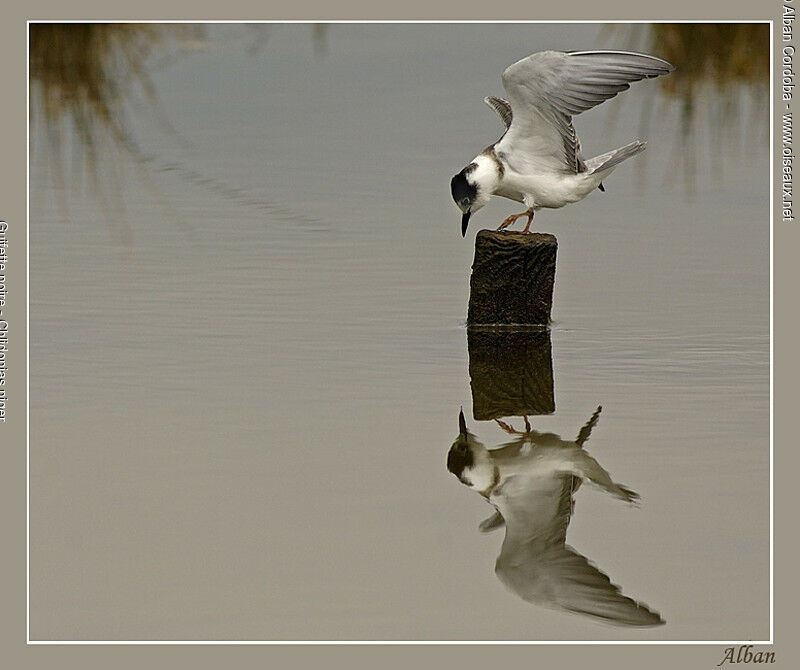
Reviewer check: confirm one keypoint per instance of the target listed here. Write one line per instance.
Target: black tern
(538, 159)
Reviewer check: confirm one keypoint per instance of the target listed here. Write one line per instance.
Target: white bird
(530, 483)
(538, 159)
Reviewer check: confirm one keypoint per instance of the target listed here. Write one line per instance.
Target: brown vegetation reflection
(84, 73)
(86, 79)
(720, 83)
(725, 55)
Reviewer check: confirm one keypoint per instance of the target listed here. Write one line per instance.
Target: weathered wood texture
(512, 278)
(511, 372)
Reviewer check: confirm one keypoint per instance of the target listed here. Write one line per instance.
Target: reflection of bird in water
(530, 482)
(538, 159)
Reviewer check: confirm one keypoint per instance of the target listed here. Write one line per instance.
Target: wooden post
(510, 372)
(512, 278)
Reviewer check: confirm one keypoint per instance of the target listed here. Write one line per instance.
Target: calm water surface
(246, 370)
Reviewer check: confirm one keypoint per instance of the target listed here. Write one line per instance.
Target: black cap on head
(461, 189)
(458, 458)
(460, 455)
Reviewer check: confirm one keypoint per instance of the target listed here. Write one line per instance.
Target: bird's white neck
(483, 475)
(486, 173)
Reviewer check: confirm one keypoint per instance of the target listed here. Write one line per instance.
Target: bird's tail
(613, 158)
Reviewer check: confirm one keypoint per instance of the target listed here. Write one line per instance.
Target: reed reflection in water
(721, 83)
(87, 83)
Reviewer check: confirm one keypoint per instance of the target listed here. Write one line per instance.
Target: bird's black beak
(462, 425)
(464, 223)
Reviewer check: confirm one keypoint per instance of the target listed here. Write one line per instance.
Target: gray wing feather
(502, 108)
(580, 80)
(547, 88)
(587, 428)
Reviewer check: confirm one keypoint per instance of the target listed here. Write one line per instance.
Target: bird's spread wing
(560, 577)
(545, 91)
(535, 563)
(502, 108)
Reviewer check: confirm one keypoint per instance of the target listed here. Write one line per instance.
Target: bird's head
(472, 188)
(469, 460)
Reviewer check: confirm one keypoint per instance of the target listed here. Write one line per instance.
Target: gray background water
(242, 400)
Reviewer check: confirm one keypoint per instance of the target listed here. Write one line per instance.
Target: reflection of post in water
(511, 372)
(530, 482)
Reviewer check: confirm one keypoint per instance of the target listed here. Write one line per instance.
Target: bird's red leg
(507, 428)
(514, 217)
(529, 213)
